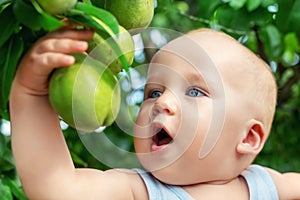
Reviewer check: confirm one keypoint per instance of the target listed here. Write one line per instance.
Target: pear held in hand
(85, 95)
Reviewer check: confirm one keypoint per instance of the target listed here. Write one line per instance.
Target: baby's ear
(253, 138)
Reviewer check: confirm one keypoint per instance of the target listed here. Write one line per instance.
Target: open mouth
(162, 138)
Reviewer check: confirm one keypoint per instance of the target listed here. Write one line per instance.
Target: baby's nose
(166, 103)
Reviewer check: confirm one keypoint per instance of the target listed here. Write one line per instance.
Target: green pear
(85, 95)
(100, 49)
(56, 6)
(133, 15)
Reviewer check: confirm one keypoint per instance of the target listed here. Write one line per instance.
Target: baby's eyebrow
(197, 79)
(151, 84)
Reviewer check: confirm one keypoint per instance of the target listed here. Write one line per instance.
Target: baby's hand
(48, 53)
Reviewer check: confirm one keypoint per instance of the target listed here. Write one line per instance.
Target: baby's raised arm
(41, 155)
(287, 184)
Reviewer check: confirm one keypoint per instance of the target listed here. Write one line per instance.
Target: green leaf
(27, 15)
(15, 187)
(295, 16)
(289, 58)
(5, 2)
(50, 23)
(98, 3)
(266, 3)
(2, 145)
(207, 8)
(291, 42)
(283, 16)
(88, 21)
(5, 192)
(234, 19)
(30, 17)
(13, 55)
(77, 160)
(272, 40)
(237, 4)
(288, 16)
(253, 4)
(260, 17)
(104, 16)
(251, 42)
(8, 24)
(7, 162)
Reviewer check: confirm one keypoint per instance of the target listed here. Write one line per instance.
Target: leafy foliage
(269, 28)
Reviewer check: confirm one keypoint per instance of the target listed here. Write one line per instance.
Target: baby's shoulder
(133, 179)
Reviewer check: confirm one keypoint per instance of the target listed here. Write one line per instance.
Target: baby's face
(193, 115)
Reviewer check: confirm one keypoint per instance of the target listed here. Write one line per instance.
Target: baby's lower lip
(155, 147)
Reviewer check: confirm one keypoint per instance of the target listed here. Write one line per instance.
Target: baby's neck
(230, 189)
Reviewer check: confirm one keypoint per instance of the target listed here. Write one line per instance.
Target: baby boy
(207, 112)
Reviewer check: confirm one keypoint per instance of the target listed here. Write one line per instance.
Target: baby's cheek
(140, 145)
(141, 132)
(144, 116)
(198, 128)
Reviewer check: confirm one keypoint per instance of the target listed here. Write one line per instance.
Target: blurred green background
(270, 28)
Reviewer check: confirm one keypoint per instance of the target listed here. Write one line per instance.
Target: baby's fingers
(61, 46)
(34, 70)
(72, 34)
(50, 52)
(50, 60)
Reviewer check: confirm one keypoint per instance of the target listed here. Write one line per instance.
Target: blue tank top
(161, 191)
(260, 184)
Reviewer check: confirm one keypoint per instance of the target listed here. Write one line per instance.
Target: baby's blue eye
(194, 92)
(155, 94)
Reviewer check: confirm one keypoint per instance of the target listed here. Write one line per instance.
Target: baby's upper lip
(161, 135)
(157, 126)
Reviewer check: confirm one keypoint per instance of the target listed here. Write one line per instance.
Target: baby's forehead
(176, 59)
(205, 46)
(201, 50)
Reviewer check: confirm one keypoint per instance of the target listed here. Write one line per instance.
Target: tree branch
(285, 91)
(260, 44)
